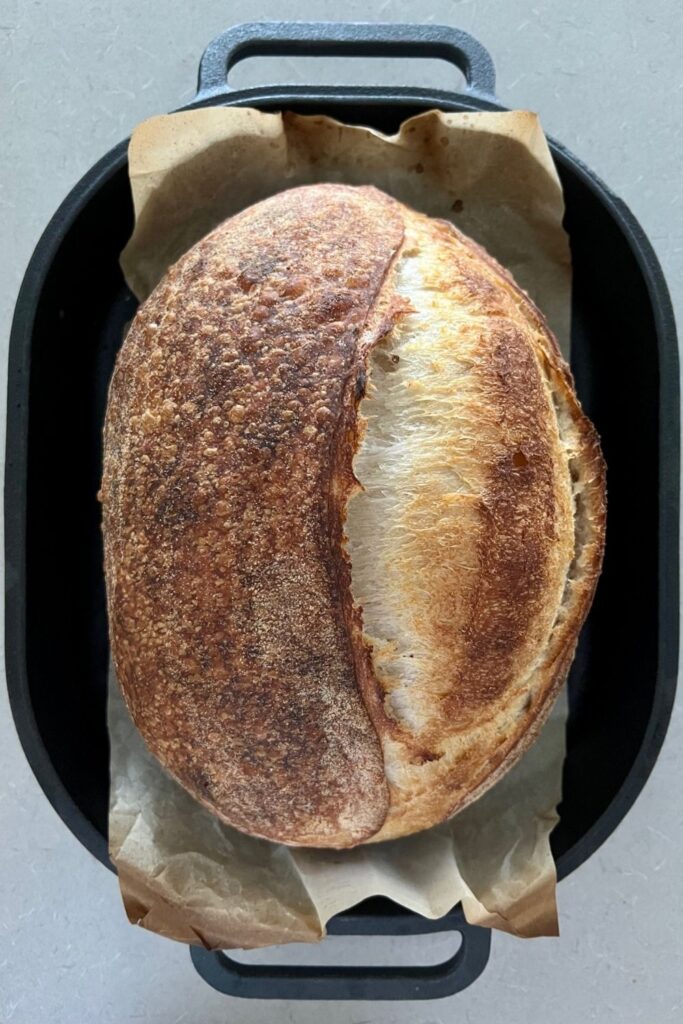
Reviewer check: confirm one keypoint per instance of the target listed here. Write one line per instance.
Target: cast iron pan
(66, 330)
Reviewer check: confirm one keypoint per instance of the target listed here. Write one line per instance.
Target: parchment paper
(182, 873)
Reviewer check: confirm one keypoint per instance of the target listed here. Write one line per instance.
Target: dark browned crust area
(222, 565)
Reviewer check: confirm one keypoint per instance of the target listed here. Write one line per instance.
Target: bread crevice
(404, 412)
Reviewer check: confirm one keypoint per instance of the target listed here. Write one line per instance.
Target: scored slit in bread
(419, 542)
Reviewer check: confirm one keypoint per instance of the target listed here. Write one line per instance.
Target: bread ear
(222, 525)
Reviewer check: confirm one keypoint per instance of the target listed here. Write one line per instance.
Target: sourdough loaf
(353, 519)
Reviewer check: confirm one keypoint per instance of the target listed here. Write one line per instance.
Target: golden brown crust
(225, 611)
(233, 433)
(505, 566)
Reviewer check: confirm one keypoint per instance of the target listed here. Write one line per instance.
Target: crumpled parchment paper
(182, 873)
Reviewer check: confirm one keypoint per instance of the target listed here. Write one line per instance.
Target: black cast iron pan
(67, 327)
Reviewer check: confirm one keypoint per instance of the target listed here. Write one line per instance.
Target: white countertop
(75, 78)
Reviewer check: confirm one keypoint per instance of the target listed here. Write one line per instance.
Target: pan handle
(261, 981)
(351, 39)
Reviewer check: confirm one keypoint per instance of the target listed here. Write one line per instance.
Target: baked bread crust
(489, 573)
(233, 442)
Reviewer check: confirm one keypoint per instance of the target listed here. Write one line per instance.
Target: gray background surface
(75, 77)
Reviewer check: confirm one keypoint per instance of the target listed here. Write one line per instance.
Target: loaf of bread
(353, 519)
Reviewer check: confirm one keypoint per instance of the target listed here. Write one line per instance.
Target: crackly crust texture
(477, 539)
(353, 519)
(226, 615)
